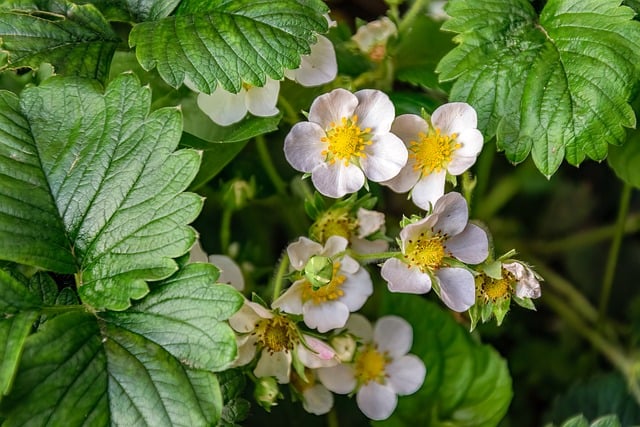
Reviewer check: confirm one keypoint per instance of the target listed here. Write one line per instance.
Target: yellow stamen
(277, 334)
(346, 141)
(425, 252)
(495, 289)
(333, 223)
(433, 151)
(328, 292)
(370, 365)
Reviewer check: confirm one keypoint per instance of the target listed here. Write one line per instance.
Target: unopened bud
(345, 347)
(319, 271)
(267, 392)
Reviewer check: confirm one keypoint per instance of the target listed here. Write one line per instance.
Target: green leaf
(581, 421)
(90, 185)
(467, 384)
(556, 85)
(79, 370)
(135, 10)
(225, 41)
(14, 295)
(625, 160)
(75, 39)
(13, 332)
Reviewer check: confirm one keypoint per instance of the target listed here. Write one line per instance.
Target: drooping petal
(375, 111)
(394, 335)
(222, 107)
(332, 107)
(337, 180)
(339, 379)
(470, 246)
(527, 285)
(276, 365)
(303, 146)
(318, 355)
(384, 158)
(261, 101)
(230, 272)
(403, 278)
(369, 222)
(357, 289)
(334, 245)
(452, 212)
(406, 374)
(317, 399)
(408, 126)
(457, 288)
(317, 68)
(454, 117)
(428, 190)
(376, 401)
(359, 326)
(301, 250)
(406, 178)
(291, 300)
(326, 316)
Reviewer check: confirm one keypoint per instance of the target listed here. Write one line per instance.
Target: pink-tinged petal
(301, 250)
(406, 374)
(428, 190)
(384, 158)
(230, 273)
(348, 265)
(317, 399)
(339, 379)
(376, 401)
(303, 146)
(402, 278)
(246, 349)
(222, 107)
(453, 214)
(357, 289)
(319, 67)
(337, 180)
(457, 288)
(261, 101)
(318, 355)
(332, 107)
(359, 326)
(406, 178)
(471, 246)
(369, 222)
(527, 285)
(326, 316)
(408, 126)
(375, 111)
(334, 245)
(394, 335)
(291, 300)
(454, 117)
(276, 365)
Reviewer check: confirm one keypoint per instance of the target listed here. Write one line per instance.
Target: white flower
(328, 306)
(316, 399)
(428, 244)
(372, 38)
(381, 369)
(346, 139)
(230, 273)
(278, 340)
(527, 284)
(317, 68)
(451, 146)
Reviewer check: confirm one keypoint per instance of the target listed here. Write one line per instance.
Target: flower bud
(345, 347)
(318, 271)
(267, 392)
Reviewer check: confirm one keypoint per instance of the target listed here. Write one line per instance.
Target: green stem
(332, 418)
(279, 277)
(614, 250)
(267, 164)
(290, 114)
(411, 15)
(225, 229)
(483, 172)
(57, 309)
(378, 256)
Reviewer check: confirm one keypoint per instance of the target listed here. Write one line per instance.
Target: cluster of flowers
(348, 140)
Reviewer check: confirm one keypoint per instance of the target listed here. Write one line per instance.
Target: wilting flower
(451, 145)
(278, 341)
(327, 293)
(381, 369)
(346, 139)
(429, 245)
(372, 38)
(527, 281)
(230, 273)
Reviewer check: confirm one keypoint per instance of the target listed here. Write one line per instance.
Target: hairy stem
(412, 14)
(279, 276)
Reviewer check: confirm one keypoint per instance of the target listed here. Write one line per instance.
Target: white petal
(376, 401)
(317, 399)
(408, 126)
(222, 107)
(320, 66)
(406, 178)
(334, 245)
(415, 229)
(339, 379)
(454, 117)
(301, 250)
(230, 273)
(245, 319)
(326, 316)
(369, 222)
(261, 101)
(303, 146)
(291, 300)
(246, 350)
(359, 326)
(471, 141)
(197, 254)
(428, 190)
(332, 107)
(394, 335)
(276, 365)
(337, 180)
(357, 289)
(406, 375)
(364, 246)
(471, 246)
(457, 288)
(385, 157)
(320, 355)
(452, 213)
(402, 278)
(527, 285)
(374, 32)
(348, 265)
(375, 110)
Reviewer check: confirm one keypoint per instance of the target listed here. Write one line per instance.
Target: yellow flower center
(495, 289)
(432, 152)
(370, 365)
(346, 141)
(329, 292)
(424, 252)
(332, 223)
(299, 383)
(277, 334)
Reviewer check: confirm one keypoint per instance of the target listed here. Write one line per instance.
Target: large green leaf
(13, 332)
(90, 185)
(134, 10)
(556, 85)
(467, 384)
(79, 370)
(229, 41)
(75, 39)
